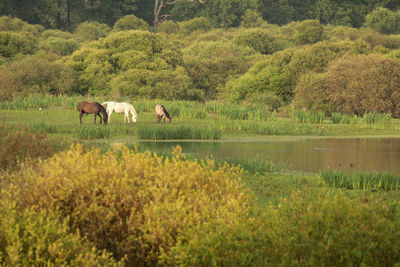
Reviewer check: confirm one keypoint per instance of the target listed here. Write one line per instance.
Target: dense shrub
(196, 24)
(17, 25)
(61, 46)
(34, 238)
(309, 32)
(211, 64)
(383, 20)
(168, 26)
(116, 64)
(89, 31)
(258, 39)
(251, 19)
(56, 33)
(354, 85)
(131, 22)
(18, 146)
(136, 205)
(34, 75)
(13, 43)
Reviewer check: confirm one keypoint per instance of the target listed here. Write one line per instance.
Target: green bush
(196, 24)
(136, 205)
(210, 64)
(131, 22)
(16, 147)
(168, 27)
(309, 32)
(34, 75)
(129, 63)
(259, 39)
(89, 31)
(383, 20)
(57, 34)
(11, 24)
(251, 19)
(357, 85)
(35, 238)
(61, 46)
(13, 43)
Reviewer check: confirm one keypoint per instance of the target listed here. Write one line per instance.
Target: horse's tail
(165, 112)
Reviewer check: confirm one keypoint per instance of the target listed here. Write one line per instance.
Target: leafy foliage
(136, 205)
(34, 75)
(130, 22)
(89, 31)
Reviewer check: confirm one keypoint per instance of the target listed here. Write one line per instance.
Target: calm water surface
(310, 155)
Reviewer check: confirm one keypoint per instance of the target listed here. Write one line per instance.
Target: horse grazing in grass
(161, 111)
(92, 108)
(120, 108)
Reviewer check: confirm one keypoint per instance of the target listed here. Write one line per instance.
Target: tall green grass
(340, 118)
(361, 180)
(308, 116)
(170, 132)
(39, 101)
(270, 127)
(43, 127)
(92, 132)
(377, 119)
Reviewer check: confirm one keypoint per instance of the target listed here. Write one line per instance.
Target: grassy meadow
(92, 186)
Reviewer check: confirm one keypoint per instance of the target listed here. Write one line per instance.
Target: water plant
(361, 180)
(92, 132)
(169, 132)
(340, 118)
(308, 116)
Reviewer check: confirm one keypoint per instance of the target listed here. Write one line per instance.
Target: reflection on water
(310, 155)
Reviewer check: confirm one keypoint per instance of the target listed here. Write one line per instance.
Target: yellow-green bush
(19, 146)
(133, 204)
(39, 238)
(326, 229)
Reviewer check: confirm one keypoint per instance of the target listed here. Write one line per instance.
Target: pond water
(309, 155)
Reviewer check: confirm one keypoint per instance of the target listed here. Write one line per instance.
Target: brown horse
(92, 108)
(161, 111)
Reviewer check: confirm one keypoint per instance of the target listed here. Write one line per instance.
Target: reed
(269, 127)
(39, 101)
(340, 118)
(43, 127)
(92, 132)
(170, 132)
(377, 119)
(308, 116)
(361, 180)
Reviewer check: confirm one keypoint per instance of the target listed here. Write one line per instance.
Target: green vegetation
(359, 180)
(225, 70)
(165, 132)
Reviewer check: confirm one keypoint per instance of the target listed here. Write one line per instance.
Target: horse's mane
(165, 112)
(102, 110)
(133, 110)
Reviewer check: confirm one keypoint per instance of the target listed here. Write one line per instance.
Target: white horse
(120, 108)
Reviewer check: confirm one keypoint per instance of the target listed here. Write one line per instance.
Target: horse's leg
(98, 114)
(158, 118)
(94, 118)
(127, 116)
(80, 116)
(109, 115)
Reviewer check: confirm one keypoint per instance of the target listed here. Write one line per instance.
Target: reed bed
(377, 119)
(39, 101)
(308, 116)
(43, 127)
(340, 118)
(171, 132)
(92, 132)
(269, 127)
(361, 180)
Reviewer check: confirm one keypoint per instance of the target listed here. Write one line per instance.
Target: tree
(158, 7)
